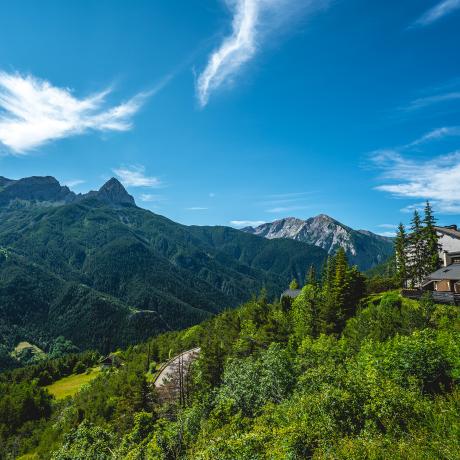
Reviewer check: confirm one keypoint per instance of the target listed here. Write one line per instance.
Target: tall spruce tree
(401, 248)
(343, 287)
(311, 277)
(416, 251)
(431, 247)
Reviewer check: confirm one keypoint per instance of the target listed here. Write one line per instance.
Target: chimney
(446, 258)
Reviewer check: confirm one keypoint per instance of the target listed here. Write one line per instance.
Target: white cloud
(252, 21)
(149, 198)
(247, 223)
(439, 11)
(134, 176)
(73, 182)
(196, 208)
(389, 226)
(428, 101)
(436, 134)
(437, 179)
(282, 209)
(34, 112)
(388, 234)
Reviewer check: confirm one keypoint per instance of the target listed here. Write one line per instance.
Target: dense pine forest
(335, 373)
(106, 274)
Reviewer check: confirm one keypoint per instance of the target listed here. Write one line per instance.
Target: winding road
(170, 368)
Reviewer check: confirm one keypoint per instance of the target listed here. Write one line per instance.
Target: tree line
(417, 252)
(328, 301)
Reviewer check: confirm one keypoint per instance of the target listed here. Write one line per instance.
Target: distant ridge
(363, 248)
(47, 191)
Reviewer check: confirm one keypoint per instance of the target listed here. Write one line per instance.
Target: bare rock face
(363, 248)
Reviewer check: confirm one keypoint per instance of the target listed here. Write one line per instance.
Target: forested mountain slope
(103, 272)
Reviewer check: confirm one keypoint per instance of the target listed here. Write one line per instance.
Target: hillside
(103, 272)
(270, 383)
(363, 248)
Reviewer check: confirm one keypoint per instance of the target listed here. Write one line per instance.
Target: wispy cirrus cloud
(73, 182)
(438, 11)
(34, 112)
(435, 134)
(197, 208)
(134, 176)
(387, 234)
(252, 22)
(279, 203)
(428, 101)
(389, 230)
(284, 209)
(150, 198)
(436, 179)
(246, 223)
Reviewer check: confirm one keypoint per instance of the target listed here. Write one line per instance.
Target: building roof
(451, 231)
(451, 272)
(292, 293)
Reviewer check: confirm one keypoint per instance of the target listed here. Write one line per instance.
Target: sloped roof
(448, 231)
(451, 272)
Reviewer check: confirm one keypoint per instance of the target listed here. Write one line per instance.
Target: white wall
(448, 243)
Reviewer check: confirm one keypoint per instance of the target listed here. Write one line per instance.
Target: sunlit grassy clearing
(70, 385)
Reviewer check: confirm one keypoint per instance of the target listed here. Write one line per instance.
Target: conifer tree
(431, 261)
(416, 261)
(311, 276)
(329, 272)
(341, 279)
(342, 289)
(294, 284)
(401, 249)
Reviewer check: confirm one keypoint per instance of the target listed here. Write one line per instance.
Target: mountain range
(102, 272)
(363, 248)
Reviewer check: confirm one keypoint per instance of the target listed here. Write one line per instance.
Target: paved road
(171, 366)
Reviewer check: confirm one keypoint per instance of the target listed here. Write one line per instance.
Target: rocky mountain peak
(47, 191)
(363, 249)
(113, 192)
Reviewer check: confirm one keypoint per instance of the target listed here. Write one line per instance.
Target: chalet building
(444, 283)
(449, 243)
(447, 278)
(111, 360)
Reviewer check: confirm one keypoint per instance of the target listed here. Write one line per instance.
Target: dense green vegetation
(104, 275)
(332, 374)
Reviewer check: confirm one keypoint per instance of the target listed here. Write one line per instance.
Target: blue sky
(228, 112)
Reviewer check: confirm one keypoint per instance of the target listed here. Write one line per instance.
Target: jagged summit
(114, 192)
(47, 191)
(365, 249)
